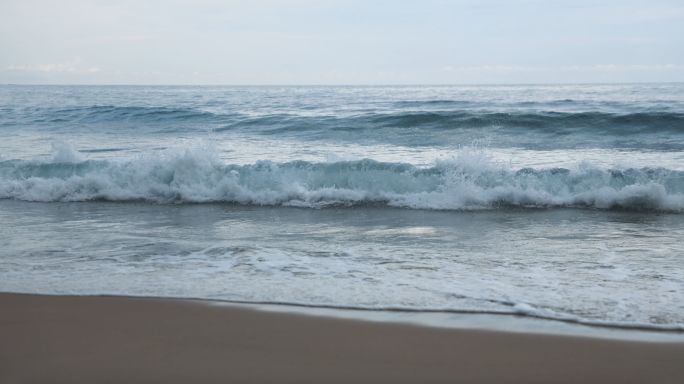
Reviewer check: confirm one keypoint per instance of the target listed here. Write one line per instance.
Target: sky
(306, 42)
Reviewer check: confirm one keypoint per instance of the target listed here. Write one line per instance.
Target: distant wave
(106, 114)
(469, 180)
(450, 117)
(560, 122)
(548, 122)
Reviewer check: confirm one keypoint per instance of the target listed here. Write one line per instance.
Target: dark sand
(55, 339)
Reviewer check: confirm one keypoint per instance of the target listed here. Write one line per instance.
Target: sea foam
(469, 179)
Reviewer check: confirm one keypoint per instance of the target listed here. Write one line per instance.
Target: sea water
(562, 202)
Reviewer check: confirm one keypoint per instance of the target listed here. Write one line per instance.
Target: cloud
(149, 73)
(127, 38)
(487, 68)
(571, 68)
(68, 66)
(95, 69)
(612, 67)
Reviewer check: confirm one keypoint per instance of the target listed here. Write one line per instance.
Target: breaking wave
(467, 180)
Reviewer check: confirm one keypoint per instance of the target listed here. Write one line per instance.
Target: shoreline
(79, 339)
(439, 318)
(470, 320)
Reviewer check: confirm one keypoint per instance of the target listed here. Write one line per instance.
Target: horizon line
(342, 85)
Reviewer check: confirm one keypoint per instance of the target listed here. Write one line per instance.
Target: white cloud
(498, 68)
(126, 38)
(571, 68)
(68, 66)
(94, 69)
(613, 67)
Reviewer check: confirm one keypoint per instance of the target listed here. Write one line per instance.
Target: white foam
(263, 275)
(65, 153)
(470, 179)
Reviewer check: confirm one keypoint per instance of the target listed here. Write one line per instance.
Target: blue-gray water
(558, 201)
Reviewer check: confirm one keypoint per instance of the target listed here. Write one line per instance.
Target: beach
(341, 192)
(76, 339)
(323, 234)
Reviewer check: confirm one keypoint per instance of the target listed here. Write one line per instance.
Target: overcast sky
(340, 42)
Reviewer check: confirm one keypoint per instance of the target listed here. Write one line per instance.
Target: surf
(468, 179)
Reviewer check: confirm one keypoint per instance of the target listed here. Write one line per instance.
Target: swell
(595, 122)
(545, 122)
(450, 117)
(467, 181)
(102, 114)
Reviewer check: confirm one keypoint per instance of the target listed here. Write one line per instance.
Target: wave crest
(468, 180)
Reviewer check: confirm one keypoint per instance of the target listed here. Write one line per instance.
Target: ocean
(561, 202)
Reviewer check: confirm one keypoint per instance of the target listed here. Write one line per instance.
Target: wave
(98, 114)
(556, 123)
(468, 180)
(595, 122)
(451, 115)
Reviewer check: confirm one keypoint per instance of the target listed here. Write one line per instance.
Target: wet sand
(62, 339)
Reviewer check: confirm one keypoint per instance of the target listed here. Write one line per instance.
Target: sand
(62, 339)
